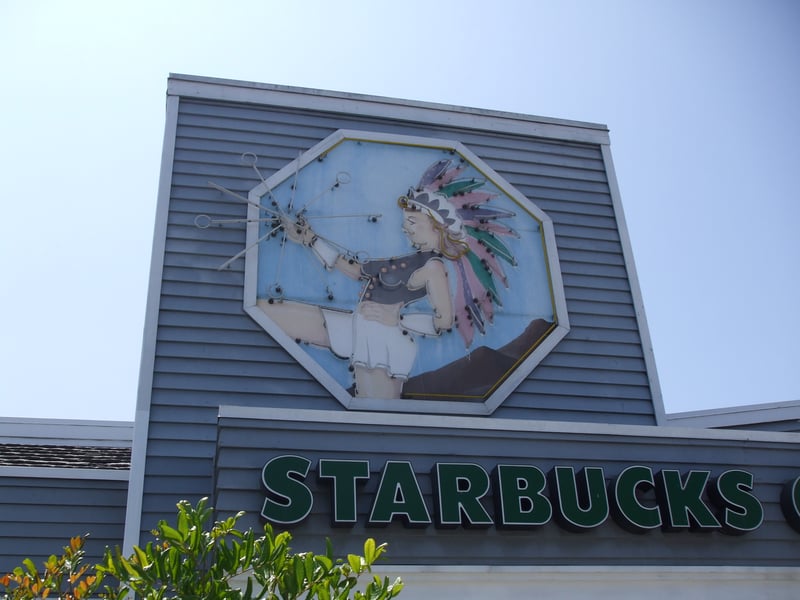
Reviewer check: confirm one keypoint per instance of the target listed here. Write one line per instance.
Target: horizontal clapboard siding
(246, 443)
(567, 180)
(39, 515)
(209, 352)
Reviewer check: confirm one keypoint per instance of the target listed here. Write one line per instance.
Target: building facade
(371, 317)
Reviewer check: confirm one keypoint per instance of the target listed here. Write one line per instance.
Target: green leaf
(325, 561)
(308, 565)
(30, 566)
(183, 523)
(328, 548)
(355, 562)
(143, 559)
(129, 569)
(170, 534)
(369, 551)
(204, 563)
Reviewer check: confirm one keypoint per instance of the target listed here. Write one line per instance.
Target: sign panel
(638, 499)
(404, 273)
(460, 490)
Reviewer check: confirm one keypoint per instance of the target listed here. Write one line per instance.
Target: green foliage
(189, 561)
(65, 577)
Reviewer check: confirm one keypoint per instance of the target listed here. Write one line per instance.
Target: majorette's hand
(298, 231)
(388, 314)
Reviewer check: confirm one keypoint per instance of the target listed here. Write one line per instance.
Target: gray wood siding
(38, 516)
(246, 444)
(598, 372)
(209, 352)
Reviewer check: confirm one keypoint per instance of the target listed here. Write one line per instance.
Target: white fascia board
(636, 290)
(65, 473)
(133, 516)
(65, 432)
(599, 582)
(388, 108)
(594, 581)
(750, 414)
(504, 425)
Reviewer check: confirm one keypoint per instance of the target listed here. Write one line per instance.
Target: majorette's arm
(328, 254)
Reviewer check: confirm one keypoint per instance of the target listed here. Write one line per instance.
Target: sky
(702, 99)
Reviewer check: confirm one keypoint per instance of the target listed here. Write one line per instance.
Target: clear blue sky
(702, 99)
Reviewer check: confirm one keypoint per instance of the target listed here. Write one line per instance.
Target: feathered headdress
(462, 212)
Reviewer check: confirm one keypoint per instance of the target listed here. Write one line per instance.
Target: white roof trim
(386, 108)
(65, 473)
(636, 290)
(456, 582)
(133, 518)
(65, 432)
(464, 423)
(750, 414)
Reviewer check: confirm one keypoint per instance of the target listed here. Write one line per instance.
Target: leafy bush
(190, 561)
(65, 574)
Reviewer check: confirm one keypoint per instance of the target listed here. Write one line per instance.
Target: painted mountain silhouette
(473, 377)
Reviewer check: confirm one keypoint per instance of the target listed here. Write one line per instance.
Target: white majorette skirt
(370, 344)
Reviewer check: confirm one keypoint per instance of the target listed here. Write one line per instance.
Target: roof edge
(749, 414)
(531, 426)
(64, 473)
(71, 432)
(211, 88)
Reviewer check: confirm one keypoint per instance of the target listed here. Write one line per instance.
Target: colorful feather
(450, 175)
(491, 226)
(493, 244)
(460, 186)
(434, 172)
(492, 263)
(475, 290)
(463, 315)
(483, 275)
(481, 297)
(482, 213)
(471, 199)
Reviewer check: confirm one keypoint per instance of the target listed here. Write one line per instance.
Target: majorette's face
(419, 228)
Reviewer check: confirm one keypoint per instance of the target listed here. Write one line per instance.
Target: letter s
(288, 499)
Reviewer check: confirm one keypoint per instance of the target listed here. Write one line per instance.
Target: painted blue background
(378, 174)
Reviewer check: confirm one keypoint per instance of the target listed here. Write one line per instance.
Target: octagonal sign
(403, 273)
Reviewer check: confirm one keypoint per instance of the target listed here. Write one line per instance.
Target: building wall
(40, 512)
(248, 438)
(59, 479)
(219, 397)
(207, 352)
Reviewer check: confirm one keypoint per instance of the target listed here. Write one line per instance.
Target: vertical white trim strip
(636, 292)
(133, 517)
